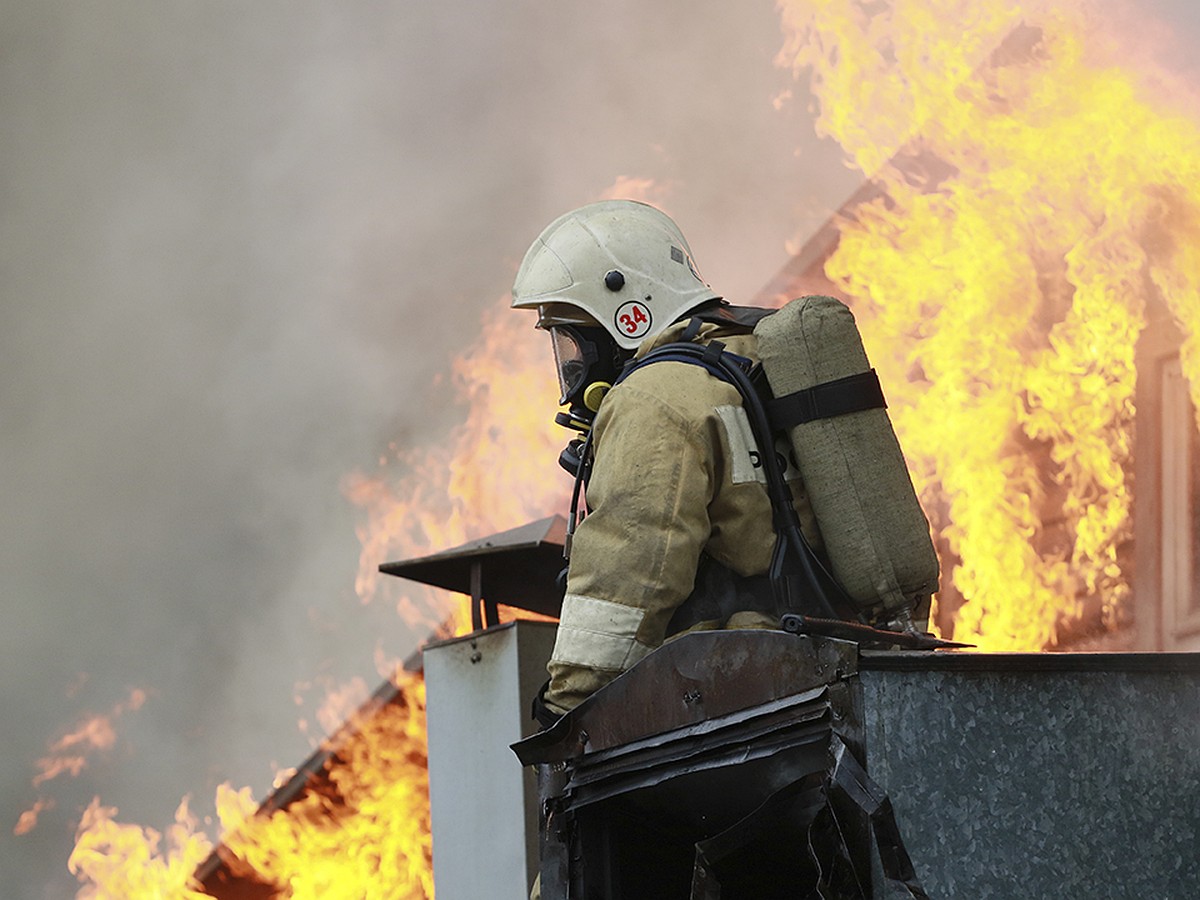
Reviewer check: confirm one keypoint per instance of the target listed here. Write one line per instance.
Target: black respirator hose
(790, 540)
(581, 477)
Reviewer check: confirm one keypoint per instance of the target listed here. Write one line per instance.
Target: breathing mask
(587, 361)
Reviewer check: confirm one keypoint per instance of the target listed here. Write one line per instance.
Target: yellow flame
(363, 830)
(1033, 197)
(123, 862)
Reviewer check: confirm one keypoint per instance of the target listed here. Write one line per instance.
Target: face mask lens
(568, 360)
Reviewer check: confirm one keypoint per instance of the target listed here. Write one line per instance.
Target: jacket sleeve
(634, 558)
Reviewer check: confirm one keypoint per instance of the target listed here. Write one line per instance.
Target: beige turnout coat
(674, 477)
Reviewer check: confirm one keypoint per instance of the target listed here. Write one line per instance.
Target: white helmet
(619, 264)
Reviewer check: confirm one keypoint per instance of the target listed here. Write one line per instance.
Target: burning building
(1036, 746)
(1030, 303)
(1022, 263)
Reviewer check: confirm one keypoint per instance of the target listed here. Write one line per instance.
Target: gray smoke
(239, 244)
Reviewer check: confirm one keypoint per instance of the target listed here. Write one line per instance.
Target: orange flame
(95, 733)
(28, 819)
(1001, 290)
(496, 472)
(341, 703)
(71, 753)
(362, 819)
(499, 469)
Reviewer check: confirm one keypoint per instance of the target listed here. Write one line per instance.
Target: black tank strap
(854, 393)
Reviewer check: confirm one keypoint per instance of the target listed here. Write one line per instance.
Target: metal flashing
(975, 661)
(518, 567)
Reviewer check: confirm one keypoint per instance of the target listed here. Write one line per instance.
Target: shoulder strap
(725, 314)
(854, 393)
(706, 357)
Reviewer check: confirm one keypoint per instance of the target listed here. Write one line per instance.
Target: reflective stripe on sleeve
(598, 634)
(743, 452)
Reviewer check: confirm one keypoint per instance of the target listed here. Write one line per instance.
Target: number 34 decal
(633, 318)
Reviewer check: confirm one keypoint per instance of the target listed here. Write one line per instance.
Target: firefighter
(678, 534)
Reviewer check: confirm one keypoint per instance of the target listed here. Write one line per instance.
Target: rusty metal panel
(689, 680)
(709, 756)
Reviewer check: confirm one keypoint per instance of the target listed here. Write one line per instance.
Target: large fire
(1000, 296)
(1037, 196)
(363, 820)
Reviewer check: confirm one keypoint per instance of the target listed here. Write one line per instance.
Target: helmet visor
(551, 314)
(568, 360)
